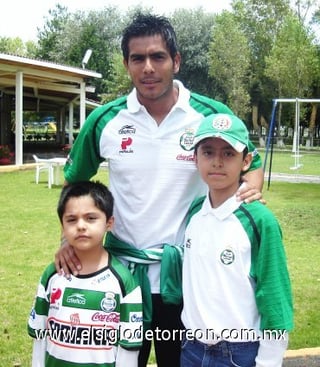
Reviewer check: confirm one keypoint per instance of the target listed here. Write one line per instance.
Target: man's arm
(251, 189)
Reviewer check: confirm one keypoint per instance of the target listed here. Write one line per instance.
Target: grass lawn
(283, 160)
(30, 232)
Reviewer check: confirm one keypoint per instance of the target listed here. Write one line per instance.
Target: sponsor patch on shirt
(186, 139)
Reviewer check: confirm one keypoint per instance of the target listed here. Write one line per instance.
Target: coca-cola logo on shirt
(106, 317)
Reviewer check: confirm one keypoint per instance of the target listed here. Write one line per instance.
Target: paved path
(309, 357)
(292, 178)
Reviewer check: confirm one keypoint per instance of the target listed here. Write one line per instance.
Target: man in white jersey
(236, 288)
(147, 139)
(94, 318)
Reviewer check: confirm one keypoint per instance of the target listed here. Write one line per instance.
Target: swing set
(296, 135)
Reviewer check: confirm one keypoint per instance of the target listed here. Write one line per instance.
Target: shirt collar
(223, 211)
(182, 102)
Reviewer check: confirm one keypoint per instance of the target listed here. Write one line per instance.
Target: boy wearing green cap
(236, 288)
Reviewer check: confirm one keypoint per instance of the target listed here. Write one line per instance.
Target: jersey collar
(182, 102)
(223, 211)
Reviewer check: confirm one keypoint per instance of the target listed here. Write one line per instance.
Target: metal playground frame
(296, 136)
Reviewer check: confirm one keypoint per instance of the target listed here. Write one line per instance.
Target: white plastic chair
(43, 165)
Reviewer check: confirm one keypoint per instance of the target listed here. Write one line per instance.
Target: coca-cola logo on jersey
(106, 317)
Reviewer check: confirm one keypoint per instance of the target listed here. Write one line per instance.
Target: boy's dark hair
(100, 194)
(144, 25)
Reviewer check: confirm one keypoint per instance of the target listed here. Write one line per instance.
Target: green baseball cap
(227, 127)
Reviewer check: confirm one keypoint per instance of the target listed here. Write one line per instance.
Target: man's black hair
(144, 25)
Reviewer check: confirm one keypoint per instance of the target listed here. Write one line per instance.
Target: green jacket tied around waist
(138, 262)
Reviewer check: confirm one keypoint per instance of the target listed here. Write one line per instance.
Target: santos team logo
(108, 303)
(227, 256)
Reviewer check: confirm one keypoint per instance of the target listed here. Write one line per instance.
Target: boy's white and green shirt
(235, 274)
(85, 319)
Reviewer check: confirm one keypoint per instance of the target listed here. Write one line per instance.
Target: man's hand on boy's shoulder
(248, 194)
(251, 187)
(66, 261)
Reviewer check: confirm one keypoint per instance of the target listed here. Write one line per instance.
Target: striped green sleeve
(131, 316)
(84, 159)
(40, 309)
(268, 266)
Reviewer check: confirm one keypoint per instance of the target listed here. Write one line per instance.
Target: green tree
(193, 34)
(74, 33)
(293, 61)
(294, 64)
(260, 20)
(118, 83)
(53, 29)
(229, 61)
(15, 46)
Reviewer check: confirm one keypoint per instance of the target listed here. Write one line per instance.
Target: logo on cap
(222, 123)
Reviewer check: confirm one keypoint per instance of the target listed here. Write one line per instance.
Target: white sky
(21, 18)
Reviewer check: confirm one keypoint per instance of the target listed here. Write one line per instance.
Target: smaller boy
(96, 317)
(236, 288)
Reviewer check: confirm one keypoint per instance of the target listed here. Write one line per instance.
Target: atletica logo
(89, 299)
(76, 298)
(127, 129)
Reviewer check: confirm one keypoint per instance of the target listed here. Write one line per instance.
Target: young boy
(236, 288)
(96, 317)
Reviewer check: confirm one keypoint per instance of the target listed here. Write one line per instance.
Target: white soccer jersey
(224, 257)
(85, 319)
(235, 277)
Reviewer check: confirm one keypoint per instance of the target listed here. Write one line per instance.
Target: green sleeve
(269, 268)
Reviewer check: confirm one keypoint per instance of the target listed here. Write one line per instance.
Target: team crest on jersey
(227, 256)
(108, 303)
(75, 319)
(186, 139)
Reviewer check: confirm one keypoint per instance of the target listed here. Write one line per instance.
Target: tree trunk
(312, 123)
